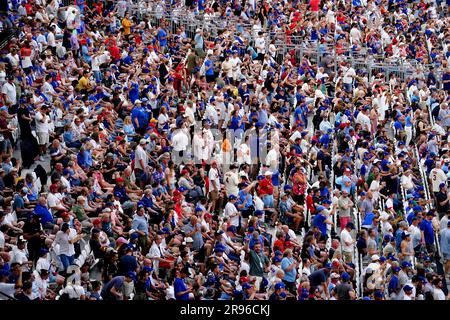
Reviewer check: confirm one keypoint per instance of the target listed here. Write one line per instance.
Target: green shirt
(257, 263)
(79, 212)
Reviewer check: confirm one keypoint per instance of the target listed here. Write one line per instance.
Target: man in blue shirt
(426, 227)
(46, 216)
(181, 291)
(320, 220)
(289, 266)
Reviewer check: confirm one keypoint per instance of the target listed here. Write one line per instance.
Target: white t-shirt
(346, 237)
(213, 177)
(47, 90)
(231, 212)
(437, 177)
(244, 154)
(231, 181)
(9, 89)
(8, 289)
(180, 141)
(272, 156)
(140, 154)
(41, 126)
(2, 240)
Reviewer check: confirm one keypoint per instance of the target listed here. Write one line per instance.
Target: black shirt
(31, 228)
(440, 197)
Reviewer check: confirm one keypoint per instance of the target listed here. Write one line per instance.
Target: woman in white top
(66, 238)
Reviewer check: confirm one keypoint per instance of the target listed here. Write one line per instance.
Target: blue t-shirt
(43, 213)
(288, 275)
(428, 231)
(319, 223)
(162, 37)
(180, 286)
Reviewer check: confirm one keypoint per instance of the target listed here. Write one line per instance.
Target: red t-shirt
(314, 5)
(265, 187)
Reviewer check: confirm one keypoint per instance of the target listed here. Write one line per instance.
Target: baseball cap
(350, 225)
(246, 286)
(259, 212)
(441, 185)
(189, 240)
(232, 197)
(328, 265)
(378, 294)
(232, 229)
(327, 201)
(375, 257)
(405, 264)
(396, 269)
(276, 259)
(182, 189)
(320, 208)
(407, 288)
(131, 275)
(345, 276)
(280, 285)
(334, 275)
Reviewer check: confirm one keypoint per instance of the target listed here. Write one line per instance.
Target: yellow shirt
(83, 84)
(126, 24)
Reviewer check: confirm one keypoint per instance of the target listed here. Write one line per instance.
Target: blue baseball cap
(232, 197)
(232, 229)
(350, 225)
(287, 187)
(182, 189)
(407, 288)
(378, 294)
(198, 209)
(246, 285)
(320, 208)
(345, 276)
(280, 285)
(405, 264)
(131, 275)
(328, 265)
(276, 259)
(147, 269)
(134, 235)
(327, 201)
(278, 253)
(382, 259)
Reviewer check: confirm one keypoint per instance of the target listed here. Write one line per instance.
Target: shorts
(43, 138)
(5, 145)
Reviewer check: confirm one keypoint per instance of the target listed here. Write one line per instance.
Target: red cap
(120, 179)
(53, 187)
(208, 215)
(64, 214)
(97, 221)
(184, 171)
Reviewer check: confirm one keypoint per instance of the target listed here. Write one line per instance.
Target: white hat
(107, 210)
(143, 141)
(137, 101)
(198, 30)
(268, 173)
(375, 257)
(334, 275)
(189, 240)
